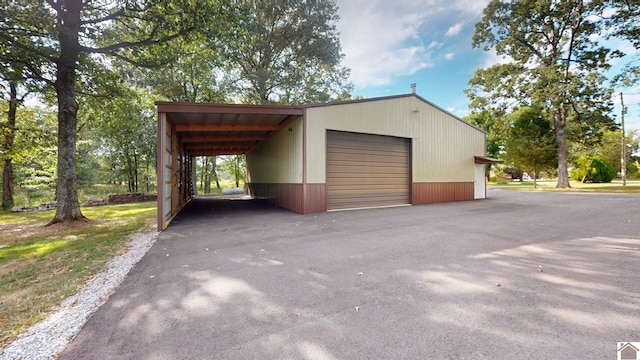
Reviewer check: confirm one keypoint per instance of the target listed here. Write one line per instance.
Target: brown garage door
(366, 170)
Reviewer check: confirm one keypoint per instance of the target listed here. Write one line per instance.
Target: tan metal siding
(442, 146)
(366, 170)
(278, 159)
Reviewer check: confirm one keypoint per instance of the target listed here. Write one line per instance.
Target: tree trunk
(146, 177)
(214, 173)
(9, 136)
(7, 185)
(128, 170)
(202, 177)
(207, 177)
(559, 128)
(135, 168)
(68, 208)
(237, 169)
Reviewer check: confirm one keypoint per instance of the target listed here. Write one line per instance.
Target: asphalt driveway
(521, 275)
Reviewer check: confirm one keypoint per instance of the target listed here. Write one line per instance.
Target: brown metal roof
(226, 129)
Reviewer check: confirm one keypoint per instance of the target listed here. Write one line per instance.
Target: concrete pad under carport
(454, 280)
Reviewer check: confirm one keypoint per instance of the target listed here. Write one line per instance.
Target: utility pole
(623, 152)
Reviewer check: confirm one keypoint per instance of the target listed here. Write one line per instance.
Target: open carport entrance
(189, 130)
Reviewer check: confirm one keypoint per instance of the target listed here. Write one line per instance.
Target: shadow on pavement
(526, 275)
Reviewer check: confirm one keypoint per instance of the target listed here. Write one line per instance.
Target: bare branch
(112, 49)
(55, 5)
(31, 50)
(529, 46)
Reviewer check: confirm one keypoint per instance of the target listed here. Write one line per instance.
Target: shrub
(593, 168)
(633, 170)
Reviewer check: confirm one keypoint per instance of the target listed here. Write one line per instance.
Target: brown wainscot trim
(436, 192)
(301, 198)
(288, 196)
(315, 198)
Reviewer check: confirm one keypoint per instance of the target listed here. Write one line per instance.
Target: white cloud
(434, 44)
(454, 30)
(491, 58)
(383, 40)
(458, 112)
(380, 42)
(448, 56)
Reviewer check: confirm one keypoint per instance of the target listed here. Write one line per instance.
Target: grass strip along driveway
(42, 265)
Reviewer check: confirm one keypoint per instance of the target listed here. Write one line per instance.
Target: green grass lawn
(616, 186)
(42, 265)
(223, 184)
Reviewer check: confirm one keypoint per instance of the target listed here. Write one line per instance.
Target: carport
(389, 151)
(188, 130)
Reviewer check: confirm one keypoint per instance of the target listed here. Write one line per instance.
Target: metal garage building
(367, 153)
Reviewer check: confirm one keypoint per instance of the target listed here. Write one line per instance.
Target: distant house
(389, 151)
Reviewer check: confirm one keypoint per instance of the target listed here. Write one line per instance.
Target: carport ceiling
(225, 129)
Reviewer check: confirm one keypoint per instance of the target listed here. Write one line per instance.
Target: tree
(593, 168)
(234, 166)
(65, 34)
(33, 149)
(555, 62)
(14, 87)
(609, 148)
(196, 75)
(530, 144)
(208, 172)
(286, 51)
(624, 24)
(495, 123)
(9, 130)
(123, 128)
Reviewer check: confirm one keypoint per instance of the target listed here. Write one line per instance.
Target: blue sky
(390, 44)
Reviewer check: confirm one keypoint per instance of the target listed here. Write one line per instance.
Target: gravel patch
(47, 339)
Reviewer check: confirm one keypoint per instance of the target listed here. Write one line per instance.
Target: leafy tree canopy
(286, 51)
(530, 145)
(555, 63)
(62, 39)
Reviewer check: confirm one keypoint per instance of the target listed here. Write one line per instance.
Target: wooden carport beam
(216, 153)
(205, 139)
(225, 127)
(221, 146)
